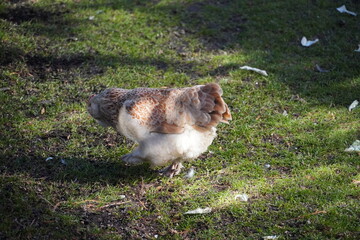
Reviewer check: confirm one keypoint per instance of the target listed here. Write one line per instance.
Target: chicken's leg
(133, 158)
(172, 170)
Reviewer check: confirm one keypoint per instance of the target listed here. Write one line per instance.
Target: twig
(112, 204)
(85, 201)
(306, 215)
(143, 204)
(46, 200)
(20, 223)
(57, 205)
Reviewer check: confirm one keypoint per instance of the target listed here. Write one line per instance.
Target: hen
(170, 125)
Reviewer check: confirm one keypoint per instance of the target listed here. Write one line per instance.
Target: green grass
(53, 57)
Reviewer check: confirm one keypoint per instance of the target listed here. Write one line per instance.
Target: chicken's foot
(172, 170)
(130, 159)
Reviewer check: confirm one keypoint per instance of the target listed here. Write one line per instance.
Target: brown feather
(168, 128)
(166, 110)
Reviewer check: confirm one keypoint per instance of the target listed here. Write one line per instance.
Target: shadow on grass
(323, 204)
(76, 170)
(39, 20)
(43, 199)
(219, 25)
(9, 54)
(27, 215)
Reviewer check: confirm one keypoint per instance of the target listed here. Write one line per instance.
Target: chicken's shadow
(81, 170)
(112, 172)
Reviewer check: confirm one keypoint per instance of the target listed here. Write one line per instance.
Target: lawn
(61, 176)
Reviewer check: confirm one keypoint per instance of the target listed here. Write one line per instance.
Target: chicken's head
(93, 107)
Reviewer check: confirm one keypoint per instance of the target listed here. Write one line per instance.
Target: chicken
(169, 125)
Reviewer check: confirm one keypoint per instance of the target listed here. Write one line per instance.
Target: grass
(54, 54)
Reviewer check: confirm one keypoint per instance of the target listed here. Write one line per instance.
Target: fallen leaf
(42, 111)
(343, 9)
(199, 211)
(308, 43)
(262, 72)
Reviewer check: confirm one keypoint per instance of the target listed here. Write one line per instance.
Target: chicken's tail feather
(213, 104)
